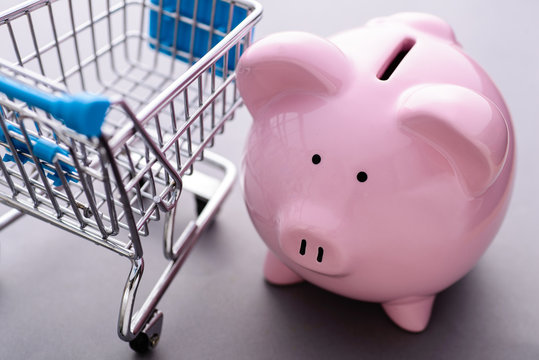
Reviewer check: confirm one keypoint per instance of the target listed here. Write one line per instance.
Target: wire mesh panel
(120, 50)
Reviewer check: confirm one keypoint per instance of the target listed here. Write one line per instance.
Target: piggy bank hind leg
(412, 314)
(278, 273)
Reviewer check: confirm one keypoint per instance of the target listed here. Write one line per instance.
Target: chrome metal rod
(10, 217)
(130, 324)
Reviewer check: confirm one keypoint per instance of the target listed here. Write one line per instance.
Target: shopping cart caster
(148, 338)
(201, 203)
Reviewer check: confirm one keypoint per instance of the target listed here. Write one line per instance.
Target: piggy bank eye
(316, 159)
(361, 176)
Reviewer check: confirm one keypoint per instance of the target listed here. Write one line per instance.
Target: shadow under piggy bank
(309, 322)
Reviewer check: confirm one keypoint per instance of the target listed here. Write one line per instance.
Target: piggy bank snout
(311, 249)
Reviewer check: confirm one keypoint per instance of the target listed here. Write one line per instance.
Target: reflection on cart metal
(107, 107)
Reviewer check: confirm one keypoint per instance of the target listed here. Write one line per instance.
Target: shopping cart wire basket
(106, 108)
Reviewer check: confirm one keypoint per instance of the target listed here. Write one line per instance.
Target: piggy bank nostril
(303, 247)
(320, 254)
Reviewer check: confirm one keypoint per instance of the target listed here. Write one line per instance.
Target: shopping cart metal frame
(133, 169)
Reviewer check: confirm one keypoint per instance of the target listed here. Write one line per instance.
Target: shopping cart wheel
(141, 343)
(149, 337)
(201, 203)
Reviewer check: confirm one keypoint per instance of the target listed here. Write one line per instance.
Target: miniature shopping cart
(107, 109)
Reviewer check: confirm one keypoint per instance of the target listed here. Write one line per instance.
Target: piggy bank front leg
(278, 273)
(412, 313)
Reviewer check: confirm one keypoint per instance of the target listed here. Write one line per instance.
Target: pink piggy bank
(380, 161)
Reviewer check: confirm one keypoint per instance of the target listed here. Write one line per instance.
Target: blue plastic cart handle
(83, 112)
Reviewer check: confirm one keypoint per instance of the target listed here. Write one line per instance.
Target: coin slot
(397, 57)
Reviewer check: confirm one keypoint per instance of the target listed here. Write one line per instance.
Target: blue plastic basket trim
(165, 32)
(43, 149)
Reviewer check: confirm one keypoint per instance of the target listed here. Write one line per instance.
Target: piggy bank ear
(287, 63)
(465, 127)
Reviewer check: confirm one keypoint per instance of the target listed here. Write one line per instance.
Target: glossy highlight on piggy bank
(380, 161)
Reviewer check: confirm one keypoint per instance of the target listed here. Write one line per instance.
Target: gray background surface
(59, 295)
